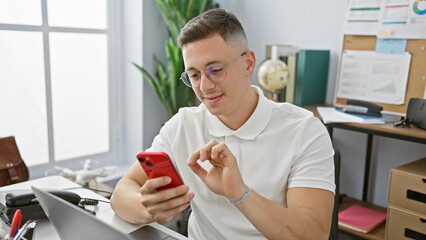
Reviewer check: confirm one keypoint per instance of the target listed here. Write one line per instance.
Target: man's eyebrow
(207, 64)
(191, 69)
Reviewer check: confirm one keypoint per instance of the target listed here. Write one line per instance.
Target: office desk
(412, 134)
(45, 231)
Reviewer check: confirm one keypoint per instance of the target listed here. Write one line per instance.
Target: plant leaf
(172, 78)
(148, 78)
(168, 11)
(157, 88)
(202, 6)
(189, 10)
(162, 77)
(172, 92)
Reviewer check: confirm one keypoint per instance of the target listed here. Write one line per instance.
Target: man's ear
(250, 62)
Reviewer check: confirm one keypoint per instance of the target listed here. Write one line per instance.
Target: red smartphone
(158, 164)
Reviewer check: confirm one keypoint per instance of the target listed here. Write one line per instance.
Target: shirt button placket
(233, 144)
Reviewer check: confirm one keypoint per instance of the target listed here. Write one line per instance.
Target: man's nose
(206, 83)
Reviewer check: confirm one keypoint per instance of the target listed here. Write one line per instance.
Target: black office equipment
(416, 112)
(405, 122)
(363, 107)
(25, 200)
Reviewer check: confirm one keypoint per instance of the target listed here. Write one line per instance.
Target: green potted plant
(166, 83)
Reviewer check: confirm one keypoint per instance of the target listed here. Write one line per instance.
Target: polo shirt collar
(251, 128)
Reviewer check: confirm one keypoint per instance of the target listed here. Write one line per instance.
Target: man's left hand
(224, 178)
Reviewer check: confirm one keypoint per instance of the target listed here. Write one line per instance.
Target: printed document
(374, 77)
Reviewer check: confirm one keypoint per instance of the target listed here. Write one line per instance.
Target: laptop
(72, 222)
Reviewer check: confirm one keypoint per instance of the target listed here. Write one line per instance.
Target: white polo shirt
(279, 147)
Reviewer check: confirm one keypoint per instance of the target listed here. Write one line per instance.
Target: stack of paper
(331, 114)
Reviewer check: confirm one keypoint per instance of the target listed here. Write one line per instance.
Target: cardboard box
(403, 224)
(407, 187)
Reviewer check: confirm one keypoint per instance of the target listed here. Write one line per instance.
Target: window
(58, 80)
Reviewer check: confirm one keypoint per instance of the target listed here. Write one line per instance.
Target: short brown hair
(210, 22)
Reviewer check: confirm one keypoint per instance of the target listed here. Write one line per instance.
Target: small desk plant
(172, 92)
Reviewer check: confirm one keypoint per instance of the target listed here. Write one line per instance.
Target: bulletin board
(416, 76)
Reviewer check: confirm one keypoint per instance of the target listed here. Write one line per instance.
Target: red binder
(361, 219)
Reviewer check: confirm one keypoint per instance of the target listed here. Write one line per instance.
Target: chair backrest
(335, 221)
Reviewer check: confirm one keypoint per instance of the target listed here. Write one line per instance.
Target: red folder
(361, 219)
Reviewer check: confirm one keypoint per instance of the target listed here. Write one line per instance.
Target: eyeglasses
(215, 72)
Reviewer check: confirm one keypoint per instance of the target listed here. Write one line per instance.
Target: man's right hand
(161, 206)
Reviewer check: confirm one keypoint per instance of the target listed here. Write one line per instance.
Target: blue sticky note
(392, 46)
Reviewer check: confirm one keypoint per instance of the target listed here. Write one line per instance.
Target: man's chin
(213, 109)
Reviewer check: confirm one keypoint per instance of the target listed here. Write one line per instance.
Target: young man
(252, 168)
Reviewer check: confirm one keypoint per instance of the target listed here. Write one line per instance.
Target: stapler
(363, 107)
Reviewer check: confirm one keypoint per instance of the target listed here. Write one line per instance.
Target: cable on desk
(93, 189)
(88, 201)
(91, 201)
(98, 190)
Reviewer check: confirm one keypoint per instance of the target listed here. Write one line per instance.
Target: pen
(16, 222)
(27, 226)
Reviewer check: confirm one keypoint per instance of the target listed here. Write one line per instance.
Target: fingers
(165, 217)
(197, 169)
(170, 204)
(213, 151)
(203, 153)
(151, 196)
(151, 185)
(220, 151)
(209, 151)
(222, 156)
(163, 205)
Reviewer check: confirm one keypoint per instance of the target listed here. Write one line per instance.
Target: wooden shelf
(377, 233)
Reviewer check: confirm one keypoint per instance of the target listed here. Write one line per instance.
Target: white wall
(154, 35)
(305, 24)
(132, 80)
(144, 34)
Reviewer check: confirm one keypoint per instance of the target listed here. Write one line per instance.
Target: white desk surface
(45, 231)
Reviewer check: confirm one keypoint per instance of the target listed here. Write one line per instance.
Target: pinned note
(391, 46)
(386, 32)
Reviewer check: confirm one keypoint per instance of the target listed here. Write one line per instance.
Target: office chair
(182, 224)
(335, 221)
